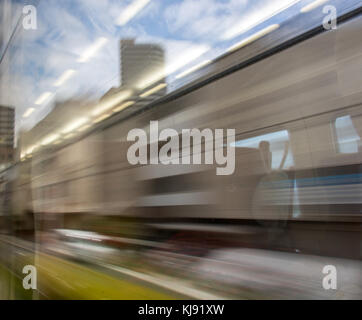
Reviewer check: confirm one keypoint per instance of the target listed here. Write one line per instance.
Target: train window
(347, 138)
(282, 157)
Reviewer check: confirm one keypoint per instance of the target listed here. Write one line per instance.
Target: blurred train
(297, 184)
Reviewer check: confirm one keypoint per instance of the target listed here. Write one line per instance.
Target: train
(297, 185)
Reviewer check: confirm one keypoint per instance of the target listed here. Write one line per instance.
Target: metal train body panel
(305, 102)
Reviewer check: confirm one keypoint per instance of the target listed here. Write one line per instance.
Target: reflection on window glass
(278, 147)
(108, 56)
(347, 138)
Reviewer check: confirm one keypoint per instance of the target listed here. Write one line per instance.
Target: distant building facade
(63, 113)
(7, 121)
(139, 62)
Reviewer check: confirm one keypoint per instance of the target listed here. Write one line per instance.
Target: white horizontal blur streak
(192, 69)
(131, 11)
(255, 18)
(28, 112)
(111, 102)
(43, 98)
(178, 199)
(253, 37)
(92, 50)
(64, 77)
(313, 5)
(74, 125)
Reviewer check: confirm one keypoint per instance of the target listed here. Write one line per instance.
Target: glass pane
(278, 146)
(347, 136)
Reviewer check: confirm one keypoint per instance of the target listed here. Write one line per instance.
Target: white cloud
(66, 29)
(203, 18)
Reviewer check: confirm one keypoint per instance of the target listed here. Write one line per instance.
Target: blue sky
(67, 28)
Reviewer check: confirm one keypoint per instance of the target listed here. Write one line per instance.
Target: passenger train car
(297, 113)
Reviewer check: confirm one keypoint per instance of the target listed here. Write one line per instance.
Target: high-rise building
(142, 72)
(7, 120)
(140, 62)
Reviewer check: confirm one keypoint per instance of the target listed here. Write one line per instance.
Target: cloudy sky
(191, 31)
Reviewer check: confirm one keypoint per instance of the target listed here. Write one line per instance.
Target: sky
(192, 31)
